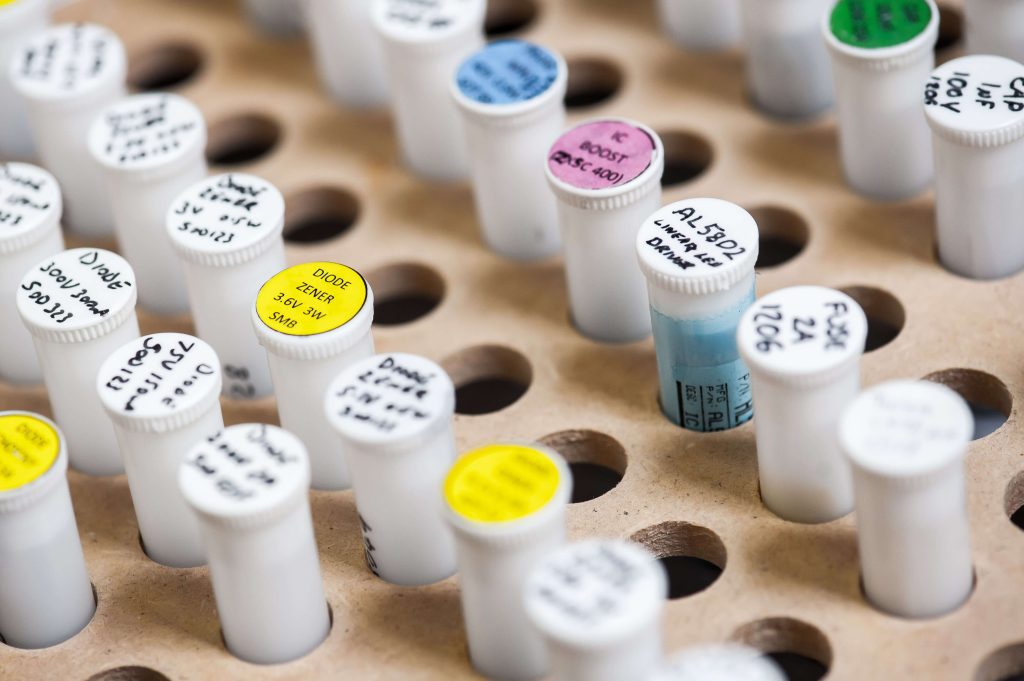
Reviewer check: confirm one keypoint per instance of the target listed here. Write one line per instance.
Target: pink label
(601, 155)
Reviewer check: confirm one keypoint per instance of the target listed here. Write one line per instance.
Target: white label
(226, 213)
(29, 198)
(976, 93)
(69, 60)
(146, 131)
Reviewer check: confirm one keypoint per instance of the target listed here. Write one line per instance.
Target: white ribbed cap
(33, 458)
(30, 206)
(720, 663)
(880, 37)
(428, 24)
(977, 101)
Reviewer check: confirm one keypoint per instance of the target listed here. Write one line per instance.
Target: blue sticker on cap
(507, 72)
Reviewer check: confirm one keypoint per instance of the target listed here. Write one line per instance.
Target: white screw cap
(30, 206)
(720, 663)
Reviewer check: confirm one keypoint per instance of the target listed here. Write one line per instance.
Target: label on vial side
(147, 131)
(501, 483)
(876, 24)
(28, 448)
(226, 212)
(29, 198)
(69, 59)
(507, 72)
(312, 298)
(601, 155)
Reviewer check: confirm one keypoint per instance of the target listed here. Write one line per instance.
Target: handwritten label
(68, 60)
(427, 17)
(876, 24)
(977, 92)
(601, 155)
(501, 483)
(29, 447)
(29, 198)
(149, 130)
(507, 72)
(311, 298)
(226, 213)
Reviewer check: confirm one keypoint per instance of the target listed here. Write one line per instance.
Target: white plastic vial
(906, 441)
(151, 148)
(606, 176)
(803, 347)
(511, 97)
(993, 27)
(424, 41)
(506, 504)
(66, 76)
(698, 256)
(702, 25)
(45, 594)
(394, 415)
(162, 394)
(279, 18)
(599, 605)
(975, 106)
(30, 210)
(18, 19)
(249, 485)
(314, 320)
(730, 662)
(349, 57)
(788, 72)
(226, 230)
(79, 306)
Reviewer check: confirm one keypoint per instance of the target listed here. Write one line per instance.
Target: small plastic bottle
(17, 20)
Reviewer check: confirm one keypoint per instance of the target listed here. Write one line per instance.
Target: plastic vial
(606, 175)
(18, 18)
(803, 346)
(30, 210)
(702, 25)
(66, 76)
(788, 71)
(906, 441)
(45, 593)
(975, 106)
(279, 18)
(394, 414)
(698, 256)
(314, 320)
(993, 27)
(162, 394)
(249, 486)
(79, 306)
(424, 41)
(599, 605)
(348, 54)
(511, 97)
(226, 230)
(506, 504)
(731, 662)
(151, 148)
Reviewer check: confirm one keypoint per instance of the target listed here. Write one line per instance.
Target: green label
(879, 23)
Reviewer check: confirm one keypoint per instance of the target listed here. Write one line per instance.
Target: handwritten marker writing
(993, 27)
(975, 106)
(349, 57)
(506, 504)
(30, 210)
(65, 77)
(162, 394)
(313, 320)
(226, 230)
(606, 176)
(727, 662)
(702, 25)
(906, 441)
(151, 148)
(803, 347)
(249, 486)
(17, 20)
(511, 96)
(280, 18)
(424, 41)
(698, 256)
(393, 414)
(79, 306)
(599, 605)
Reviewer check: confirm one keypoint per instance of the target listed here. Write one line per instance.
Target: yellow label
(7, 2)
(28, 448)
(312, 298)
(499, 483)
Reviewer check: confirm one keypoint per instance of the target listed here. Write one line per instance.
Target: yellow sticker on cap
(312, 298)
(7, 2)
(28, 448)
(499, 483)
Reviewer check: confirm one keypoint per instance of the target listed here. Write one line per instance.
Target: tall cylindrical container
(349, 57)
(702, 25)
(17, 21)
(993, 27)
(279, 18)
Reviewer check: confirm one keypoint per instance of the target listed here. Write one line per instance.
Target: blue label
(507, 72)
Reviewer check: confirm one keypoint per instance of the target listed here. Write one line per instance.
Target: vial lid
(30, 206)
(246, 475)
(508, 78)
(32, 458)
(160, 382)
(77, 295)
(595, 593)
(12, 10)
(697, 246)
(730, 662)
(313, 310)
(390, 401)
(977, 101)
(226, 220)
(906, 430)
(425, 23)
(803, 334)
(879, 24)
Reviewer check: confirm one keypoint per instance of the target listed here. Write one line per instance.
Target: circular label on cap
(29, 198)
(879, 23)
(76, 289)
(976, 93)
(312, 298)
(147, 131)
(507, 72)
(7, 2)
(426, 19)
(602, 154)
(69, 60)
(28, 448)
(501, 483)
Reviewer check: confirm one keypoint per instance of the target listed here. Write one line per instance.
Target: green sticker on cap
(874, 24)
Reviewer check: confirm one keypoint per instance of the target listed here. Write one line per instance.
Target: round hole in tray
(509, 16)
(951, 27)
(687, 156)
(988, 397)
(1014, 500)
(801, 650)
(404, 292)
(592, 80)
(783, 235)
(1005, 664)
(165, 66)
(242, 139)
(884, 311)
(693, 556)
(319, 214)
(597, 461)
(133, 673)
(488, 378)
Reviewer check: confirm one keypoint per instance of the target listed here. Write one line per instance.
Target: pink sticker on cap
(602, 154)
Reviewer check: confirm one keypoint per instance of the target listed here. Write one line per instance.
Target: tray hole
(597, 461)
(242, 139)
(488, 378)
(783, 235)
(1014, 502)
(988, 397)
(133, 673)
(885, 314)
(319, 214)
(1005, 664)
(687, 157)
(693, 556)
(165, 66)
(509, 16)
(404, 292)
(951, 27)
(800, 649)
(592, 80)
